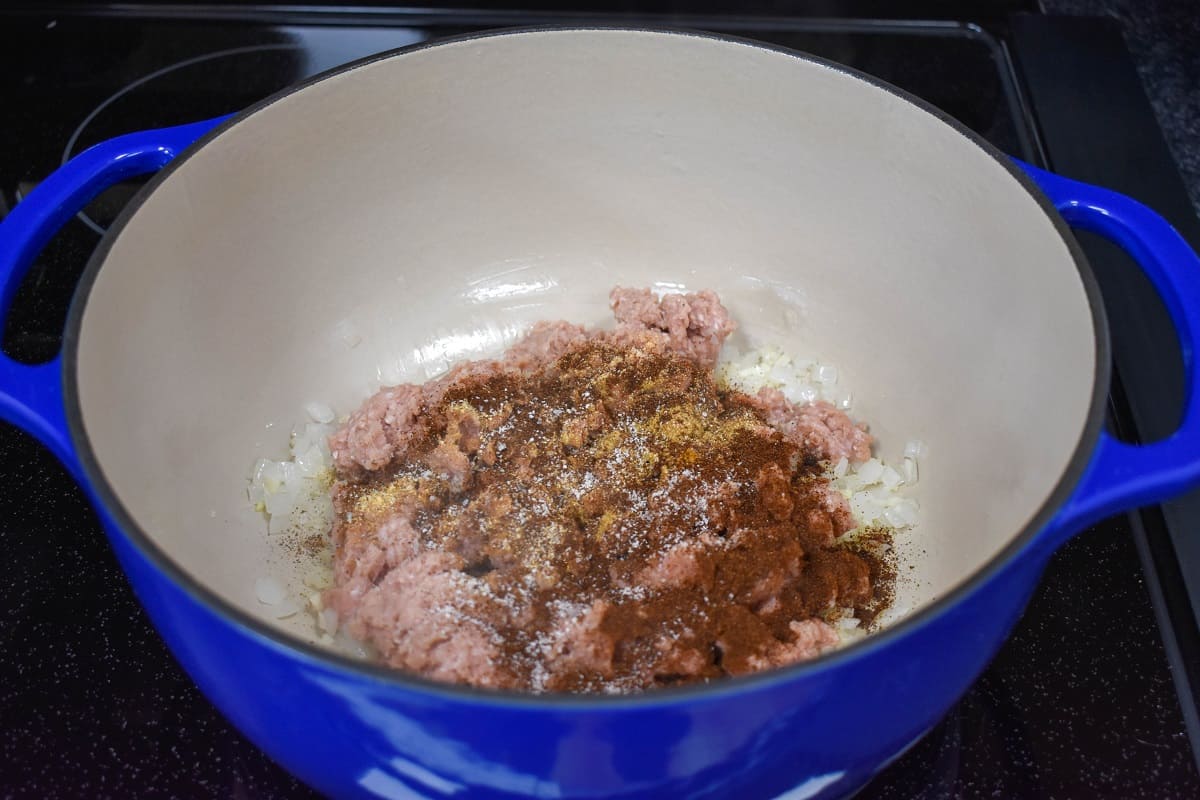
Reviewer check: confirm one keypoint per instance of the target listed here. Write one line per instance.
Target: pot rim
(320, 657)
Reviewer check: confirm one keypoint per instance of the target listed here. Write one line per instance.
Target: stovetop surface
(1079, 703)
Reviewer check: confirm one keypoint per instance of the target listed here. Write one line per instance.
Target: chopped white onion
(318, 581)
(311, 463)
(310, 436)
(279, 505)
(903, 513)
(842, 399)
(803, 394)
(865, 509)
(319, 412)
(328, 620)
(781, 371)
(270, 591)
(256, 494)
(870, 471)
(890, 478)
(824, 373)
(256, 472)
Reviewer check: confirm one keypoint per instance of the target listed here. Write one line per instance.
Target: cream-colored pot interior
(427, 207)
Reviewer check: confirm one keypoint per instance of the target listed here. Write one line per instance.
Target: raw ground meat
(592, 512)
(692, 325)
(817, 427)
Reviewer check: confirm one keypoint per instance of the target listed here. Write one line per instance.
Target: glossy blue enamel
(31, 396)
(821, 731)
(351, 735)
(1125, 476)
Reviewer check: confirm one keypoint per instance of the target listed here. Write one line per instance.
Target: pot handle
(31, 397)
(1123, 476)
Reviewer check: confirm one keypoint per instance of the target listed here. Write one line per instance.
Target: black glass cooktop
(1080, 703)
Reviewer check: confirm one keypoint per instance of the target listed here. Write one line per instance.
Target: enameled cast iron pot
(424, 205)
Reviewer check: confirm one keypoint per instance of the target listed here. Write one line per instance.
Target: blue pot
(815, 730)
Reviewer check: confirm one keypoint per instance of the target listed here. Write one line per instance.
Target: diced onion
(870, 471)
(825, 374)
(319, 412)
(890, 478)
(269, 591)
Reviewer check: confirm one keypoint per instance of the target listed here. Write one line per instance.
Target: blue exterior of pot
(818, 734)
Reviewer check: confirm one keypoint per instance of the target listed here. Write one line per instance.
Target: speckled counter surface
(1164, 39)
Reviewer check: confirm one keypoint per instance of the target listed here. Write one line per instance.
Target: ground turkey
(594, 512)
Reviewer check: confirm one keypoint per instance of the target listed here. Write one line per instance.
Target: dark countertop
(1164, 39)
